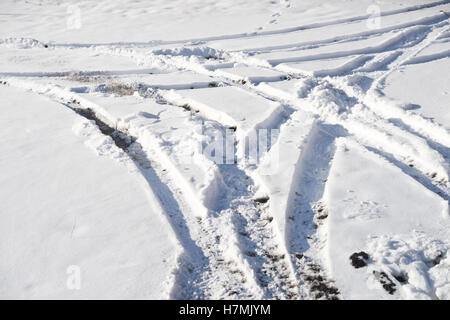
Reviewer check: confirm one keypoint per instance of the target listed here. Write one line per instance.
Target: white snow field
(257, 149)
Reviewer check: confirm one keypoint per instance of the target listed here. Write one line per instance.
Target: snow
(374, 218)
(422, 94)
(328, 67)
(252, 149)
(279, 174)
(235, 108)
(252, 74)
(99, 215)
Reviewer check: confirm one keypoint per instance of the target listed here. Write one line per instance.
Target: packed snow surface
(257, 149)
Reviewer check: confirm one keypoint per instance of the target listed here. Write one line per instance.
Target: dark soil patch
(322, 217)
(402, 277)
(120, 139)
(385, 281)
(320, 287)
(320, 211)
(437, 259)
(186, 107)
(120, 89)
(274, 257)
(359, 259)
(261, 200)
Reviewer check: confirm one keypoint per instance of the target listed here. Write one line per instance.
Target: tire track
(360, 122)
(235, 251)
(192, 261)
(414, 51)
(306, 212)
(256, 239)
(257, 242)
(334, 106)
(205, 271)
(315, 25)
(353, 37)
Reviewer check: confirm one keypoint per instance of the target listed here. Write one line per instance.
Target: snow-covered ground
(260, 149)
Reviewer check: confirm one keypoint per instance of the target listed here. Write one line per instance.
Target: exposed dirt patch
(320, 211)
(385, 281)
(85, 78)
(186, 107)
(121, 140)
(261, 200)
(436, 259)
(319, 286)
(359, 259)
(274, 257)
(401, 277)
(119, 89)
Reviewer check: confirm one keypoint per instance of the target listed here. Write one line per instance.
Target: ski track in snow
(236, 250)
